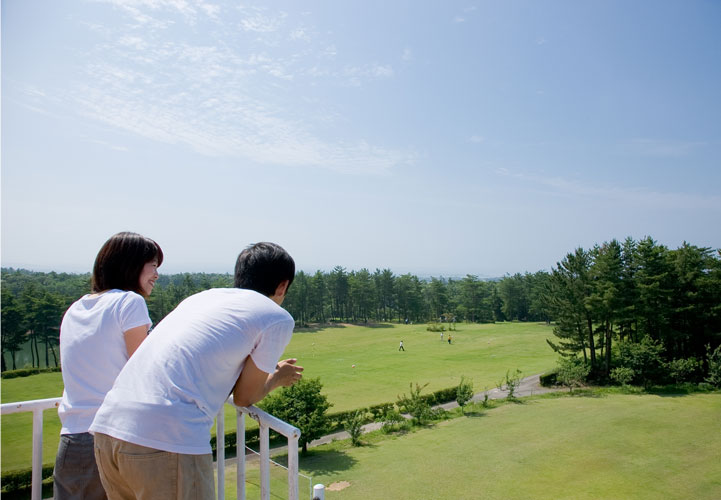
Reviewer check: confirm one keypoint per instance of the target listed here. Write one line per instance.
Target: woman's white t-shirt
(170, 391)
(93, 351)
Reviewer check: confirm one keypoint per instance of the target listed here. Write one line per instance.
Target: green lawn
(617, 446)
(481, 352)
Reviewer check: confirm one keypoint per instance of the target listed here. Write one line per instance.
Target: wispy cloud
(230, 92)
(664, 149)
(633, 196)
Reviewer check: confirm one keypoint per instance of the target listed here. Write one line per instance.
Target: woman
(98, 335)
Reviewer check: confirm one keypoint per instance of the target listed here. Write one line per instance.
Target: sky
(426, 137)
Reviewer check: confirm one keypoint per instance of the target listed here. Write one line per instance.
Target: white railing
(37, 406)
(265, 422)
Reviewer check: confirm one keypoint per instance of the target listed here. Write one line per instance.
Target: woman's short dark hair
(120, 262)
(262, 267)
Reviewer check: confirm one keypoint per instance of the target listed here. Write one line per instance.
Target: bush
(26, 372)
(511, 383)
(572, 372)
(623, 375)
(393, 420)
(644, 358)
(354, 426)
(714, 366)
(22, 479)
(303, 406)
(415, 405)
(464, 392)
(436, 327)
(442, 396)
(549, 379)
(485, 401)
(683, 370)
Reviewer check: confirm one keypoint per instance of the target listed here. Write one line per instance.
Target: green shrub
(26, 372)
(644, 358)
(415, 405)
(20, 479)
(572, 372)
(436, 327)
(622, 374)
(464, 392)
(714, 366)
(393, 420)
(511, 383)
(354, 426)
(683, 370)
(442, 396)
(549, 379)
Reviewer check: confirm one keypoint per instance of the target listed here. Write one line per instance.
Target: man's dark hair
(262, 267)
(120, 262)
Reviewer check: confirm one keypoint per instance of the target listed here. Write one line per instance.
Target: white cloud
(664, 149)
(262, 23)
(634, 196)
(229, 90)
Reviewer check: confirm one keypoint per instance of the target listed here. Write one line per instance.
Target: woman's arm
(134, 337)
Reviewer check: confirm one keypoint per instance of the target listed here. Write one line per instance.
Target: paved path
(529, 386)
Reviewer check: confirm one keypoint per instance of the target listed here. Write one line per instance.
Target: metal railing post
(293, 467)
(36, 490)
(220, 452)
(240, 453)
(264, 461)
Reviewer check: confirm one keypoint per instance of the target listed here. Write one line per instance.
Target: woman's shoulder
(122, 297)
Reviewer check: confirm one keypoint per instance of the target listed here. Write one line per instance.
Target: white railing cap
(36, 404)
(277, 424)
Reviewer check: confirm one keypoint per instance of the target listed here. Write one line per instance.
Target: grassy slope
(619, 446)
(481, 352)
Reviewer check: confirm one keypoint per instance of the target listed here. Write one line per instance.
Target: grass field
(614, 446)
(481, 352)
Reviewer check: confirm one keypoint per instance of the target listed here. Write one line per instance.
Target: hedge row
(377, 412)
(19, 479)
(549, 379)
(26, 372)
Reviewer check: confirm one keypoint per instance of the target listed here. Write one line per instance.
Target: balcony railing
(265, 422)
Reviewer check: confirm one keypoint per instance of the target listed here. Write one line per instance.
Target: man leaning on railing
(152, 431)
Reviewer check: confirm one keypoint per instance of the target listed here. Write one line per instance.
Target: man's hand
(253, 384)
(287, 373)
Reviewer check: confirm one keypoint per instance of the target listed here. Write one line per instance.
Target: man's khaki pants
(130, 471)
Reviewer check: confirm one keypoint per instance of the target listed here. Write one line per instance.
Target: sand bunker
(340, 485)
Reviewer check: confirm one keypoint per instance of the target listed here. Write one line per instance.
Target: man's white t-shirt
(93, 351)
(170, 391)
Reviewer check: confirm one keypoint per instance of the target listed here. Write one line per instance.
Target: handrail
(37, 406)
(265, 422)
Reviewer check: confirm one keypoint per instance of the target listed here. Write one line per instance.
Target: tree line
(626, 293)
(662, 307)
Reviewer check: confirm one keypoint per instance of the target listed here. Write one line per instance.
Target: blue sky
(437, 138)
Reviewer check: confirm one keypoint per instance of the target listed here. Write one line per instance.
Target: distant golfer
(449, 338)
(441, 336)
(400, 347)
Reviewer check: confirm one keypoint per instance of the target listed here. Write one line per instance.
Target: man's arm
(253, 384)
